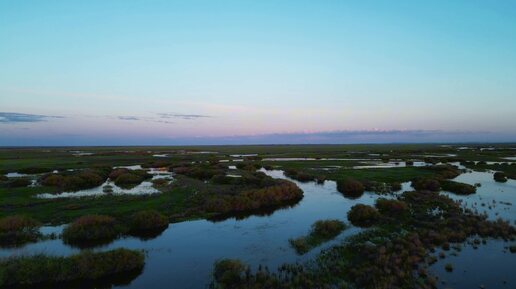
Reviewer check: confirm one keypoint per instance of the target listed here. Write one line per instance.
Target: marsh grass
(458, 188)
(40, 270)
(322, 231)
(18, 230)
(363, 215)
(350, 188)
(147, 224)
(91, 230)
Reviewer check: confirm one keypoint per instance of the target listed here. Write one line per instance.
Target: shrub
(77, 180)
(17, 230)
(327, 228)
(426, 184)
(3, 178)
(391, 207)
(500, 177)
(128, 180)
(91, 230)
(350, 188)
(229, 273)
(363, 215)
(117, 172)
(148, 220)
(446, 171)
(458, 188)
(160, 182)
(40, 269)
(299, 176)
(395, 186)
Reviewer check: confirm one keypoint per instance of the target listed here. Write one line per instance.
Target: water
(492, 198)
(490, 265)
(183, 255)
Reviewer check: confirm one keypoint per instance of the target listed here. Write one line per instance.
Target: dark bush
(363, 215)
(350, 188)
(322, 231)
(391, 208)
(91, 230)
(446, 171)
(458, 188)
(395, 186)
(327, 228)
(76, 180)
(129, 180)
(39, 269)
(229, 273)
(17, 230)
(500, 177)
(148, 220)
(299, 175)
(429, 184)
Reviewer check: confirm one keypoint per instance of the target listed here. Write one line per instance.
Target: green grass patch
(39, 270)
(322, 231)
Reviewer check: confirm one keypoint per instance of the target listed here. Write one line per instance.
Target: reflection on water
(492, 198)
(488, 266)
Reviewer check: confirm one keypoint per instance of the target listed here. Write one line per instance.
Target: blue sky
(159, 72)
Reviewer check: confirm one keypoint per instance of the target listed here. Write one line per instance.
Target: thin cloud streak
(16, 117)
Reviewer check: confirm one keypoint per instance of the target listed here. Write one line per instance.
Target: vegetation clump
(458, 188)
(76, 180)
(392, 208)
(148, 223)
(126, 178)
(229, 273)
(363, 215)
(350, 188)
(428, 184)
(91, 230)
(299, 175)
(40, 270)
(17, 230)
(322, 231)
(284, 192)
(500, 177)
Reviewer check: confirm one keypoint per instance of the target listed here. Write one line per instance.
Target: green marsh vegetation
(91, 230)
(401, 233)
(321, 231)
(17, 230)
(394, 253)
(40, 270)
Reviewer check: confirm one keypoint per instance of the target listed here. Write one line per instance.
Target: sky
(242, 72)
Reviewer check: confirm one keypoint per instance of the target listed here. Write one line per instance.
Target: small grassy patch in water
(18, 230)
(91, 230)
(41, 270)
(322, 231)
